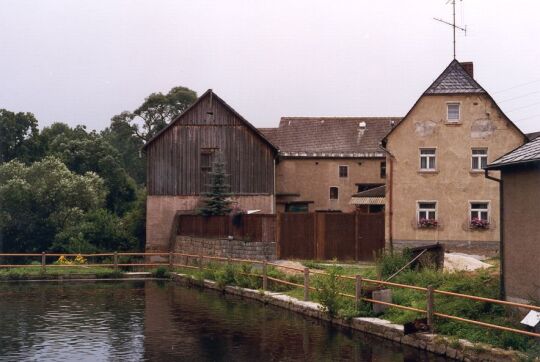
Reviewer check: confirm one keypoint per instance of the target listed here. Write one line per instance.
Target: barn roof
(210, 92)
(527, 153)
(330, 136)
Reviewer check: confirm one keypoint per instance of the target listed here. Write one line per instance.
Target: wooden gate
(344, 236)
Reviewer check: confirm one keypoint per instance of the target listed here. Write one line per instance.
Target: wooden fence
(254, 227)
(323, 236)
(172, 261)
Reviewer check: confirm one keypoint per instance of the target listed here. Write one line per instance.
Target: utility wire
(525, 106)
(517, 86)
(518, 97)
(529, 117)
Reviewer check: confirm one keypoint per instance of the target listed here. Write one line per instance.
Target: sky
(82, 62)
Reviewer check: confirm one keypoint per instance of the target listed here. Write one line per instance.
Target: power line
(525, 106)
(529, 117)
(518, 97)
(517, 86)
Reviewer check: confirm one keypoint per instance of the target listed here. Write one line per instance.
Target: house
(180, 157)
(436, 190)
(323, 161)
(520, 222)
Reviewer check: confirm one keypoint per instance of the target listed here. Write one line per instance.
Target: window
(427, 159)
(206, 158)
(297, 207)
(479, 211)
(383, 169)
(453, 112)
(365, 187)
(334, 193)
(479, 158)
(427, 210)
(343, 171)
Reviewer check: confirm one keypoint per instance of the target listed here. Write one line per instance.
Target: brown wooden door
(296, 235)
(370, 234)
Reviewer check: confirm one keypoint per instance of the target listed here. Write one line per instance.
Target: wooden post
(200, 262)
(358, 290)
(43, 261)
(115, 258)
(171, 266)
(430, 307)
(265, 275)
(306, 284)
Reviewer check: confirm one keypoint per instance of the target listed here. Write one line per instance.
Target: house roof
(210, 92)
(532, 136)
(529, 152)
(331, 137)
(454, 79)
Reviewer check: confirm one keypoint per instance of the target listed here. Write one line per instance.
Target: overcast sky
(81, 62)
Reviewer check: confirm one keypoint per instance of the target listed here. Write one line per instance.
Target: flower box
(479, 224)
(428, 223)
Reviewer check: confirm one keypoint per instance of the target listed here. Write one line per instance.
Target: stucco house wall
(453, 184)
(311, 180)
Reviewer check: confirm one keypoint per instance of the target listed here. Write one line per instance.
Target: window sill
(451, 123)
(476, 172)
(428, 171)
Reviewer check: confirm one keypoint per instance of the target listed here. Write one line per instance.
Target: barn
(180, 157)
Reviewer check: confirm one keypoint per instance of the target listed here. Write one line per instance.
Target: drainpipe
(502, 291)
(390, 182)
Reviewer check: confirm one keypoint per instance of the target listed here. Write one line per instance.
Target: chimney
(469, 68)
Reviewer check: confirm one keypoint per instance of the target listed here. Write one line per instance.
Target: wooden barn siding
(174, 157)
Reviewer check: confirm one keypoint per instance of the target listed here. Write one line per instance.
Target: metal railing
(359, 281)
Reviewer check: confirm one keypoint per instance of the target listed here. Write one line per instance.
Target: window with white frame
(453, 112)
(479, 210)
(479, 158)
(427, 210)
(428, 159)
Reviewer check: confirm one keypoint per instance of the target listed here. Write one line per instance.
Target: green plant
(327, 290)
(226, 276)
(387, 263)
(160, 272)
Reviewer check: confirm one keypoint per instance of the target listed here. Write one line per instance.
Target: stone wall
(226, 248)
(488, 248)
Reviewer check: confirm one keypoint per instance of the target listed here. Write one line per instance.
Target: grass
(36, 271)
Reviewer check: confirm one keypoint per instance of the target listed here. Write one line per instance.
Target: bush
(388, 263)
(160, 272)
(327, 291)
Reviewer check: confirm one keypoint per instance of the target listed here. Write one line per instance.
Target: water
(151, 321)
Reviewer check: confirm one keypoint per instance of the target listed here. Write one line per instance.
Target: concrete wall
(226, 248)
(312, 179)
(521, 192)
(453, 185)
(160, 211)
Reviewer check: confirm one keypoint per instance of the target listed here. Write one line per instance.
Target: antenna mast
(453, 24)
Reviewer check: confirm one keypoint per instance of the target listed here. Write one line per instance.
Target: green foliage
(226, 276)
(388, 263)
(40, 200)
(17, 136)
(156, 112)
(216, 200)
(327, 291)
(160, 272)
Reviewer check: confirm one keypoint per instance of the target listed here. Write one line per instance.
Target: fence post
(306, 284)
(200, 263)
(265, 275)
(170, 261)
(43, 261)
(358, 290)
(430, 307)
(115, 260)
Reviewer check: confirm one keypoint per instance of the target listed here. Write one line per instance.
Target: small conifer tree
(216, 200)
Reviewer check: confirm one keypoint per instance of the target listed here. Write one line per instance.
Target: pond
(162, 321)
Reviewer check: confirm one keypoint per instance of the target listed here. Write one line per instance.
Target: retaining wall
(226, 248)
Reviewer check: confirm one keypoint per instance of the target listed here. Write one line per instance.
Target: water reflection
(152, 321)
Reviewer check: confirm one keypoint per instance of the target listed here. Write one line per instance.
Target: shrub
(160, 272)
(388, 263)
(327, 291)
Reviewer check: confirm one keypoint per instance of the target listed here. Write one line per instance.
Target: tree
(156, 112)
(17, 135)
(40, 200)
(216, 201)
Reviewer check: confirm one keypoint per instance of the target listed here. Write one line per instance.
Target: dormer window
(453, 112)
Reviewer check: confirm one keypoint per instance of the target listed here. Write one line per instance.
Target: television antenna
(453, 23)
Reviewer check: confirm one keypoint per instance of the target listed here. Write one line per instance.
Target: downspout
(390, 182)
(502, 289)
